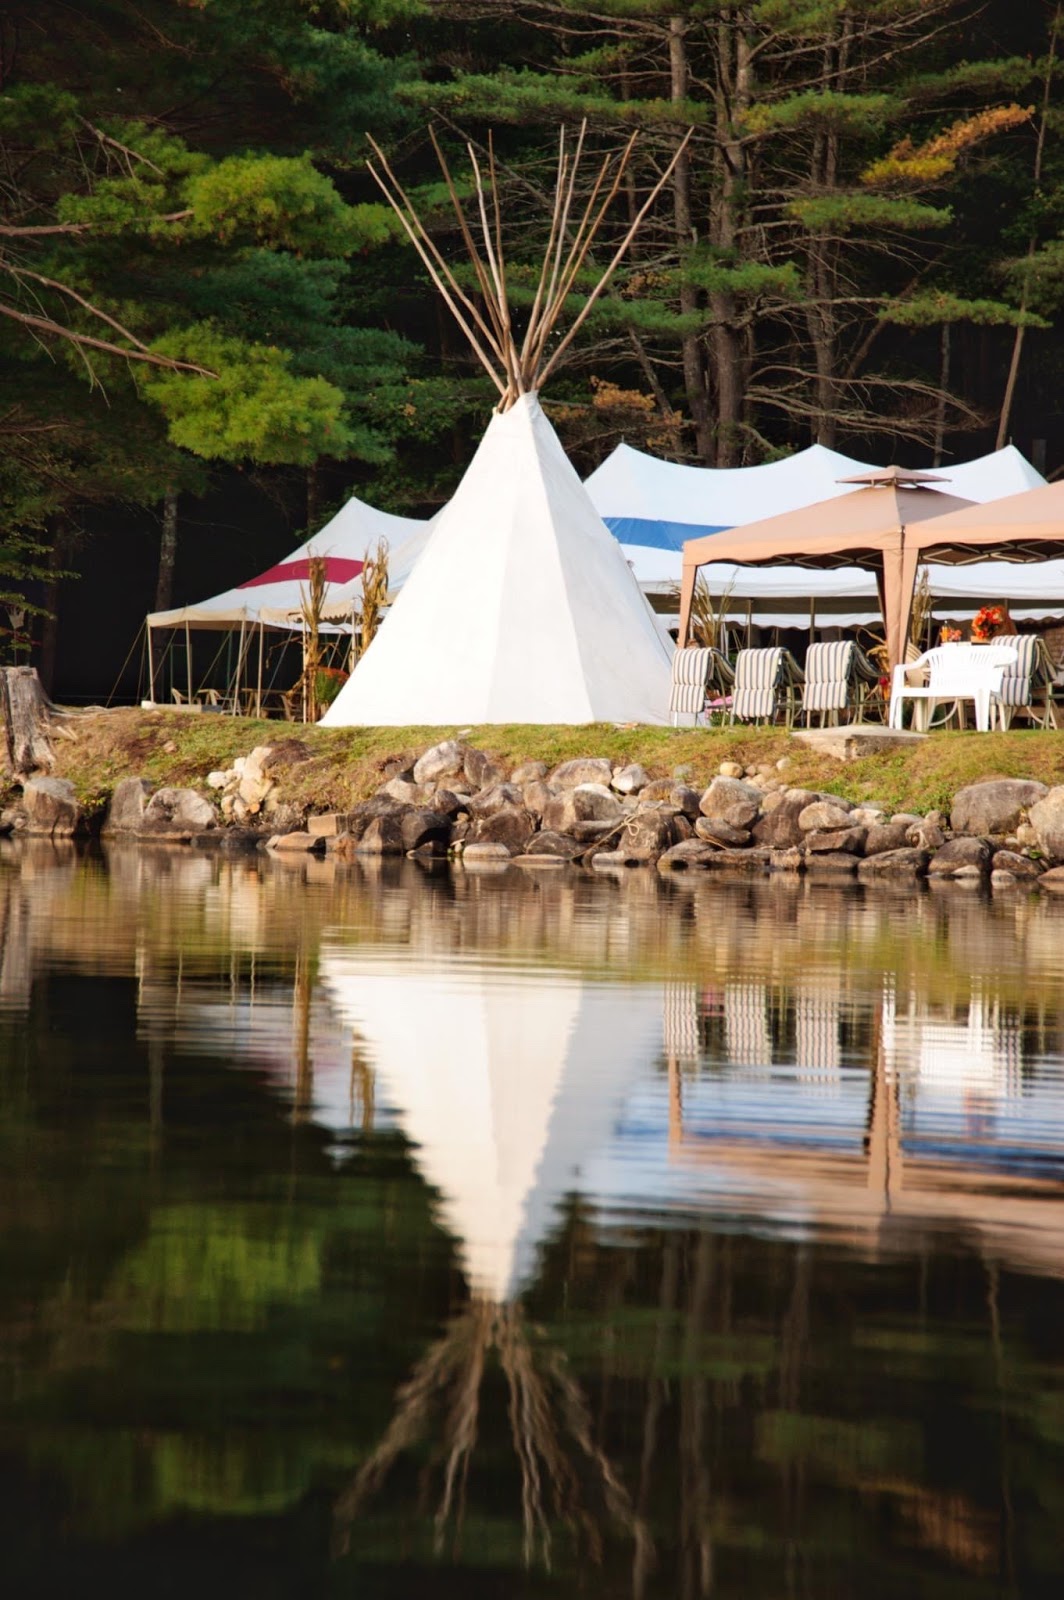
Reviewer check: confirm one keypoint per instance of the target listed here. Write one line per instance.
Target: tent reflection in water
(507, 1086)
(522, 607)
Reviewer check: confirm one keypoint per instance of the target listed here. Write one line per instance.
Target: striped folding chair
(766, 682)
(838, 677)
(697, 673)
(1027, 684)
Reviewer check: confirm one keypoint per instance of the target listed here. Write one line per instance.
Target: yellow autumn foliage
(935, 159)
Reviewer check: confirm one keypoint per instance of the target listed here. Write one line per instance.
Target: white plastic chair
(953, 672)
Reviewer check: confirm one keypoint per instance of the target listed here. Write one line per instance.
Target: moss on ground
(347, 764)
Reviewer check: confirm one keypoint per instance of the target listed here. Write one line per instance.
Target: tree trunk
(57, 560)
(727, 345)
(694, 372)
(26, 715)
(164, 587)
(1017, 343)
(943, 390)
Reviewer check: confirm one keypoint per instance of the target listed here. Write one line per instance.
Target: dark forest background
(212, 330)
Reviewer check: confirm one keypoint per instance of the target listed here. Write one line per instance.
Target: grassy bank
(347, 764)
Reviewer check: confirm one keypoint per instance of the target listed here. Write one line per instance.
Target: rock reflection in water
(709, 1232)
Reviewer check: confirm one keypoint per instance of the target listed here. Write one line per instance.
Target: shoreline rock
(455, 801)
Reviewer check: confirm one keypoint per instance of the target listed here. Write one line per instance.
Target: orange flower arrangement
(986, 623)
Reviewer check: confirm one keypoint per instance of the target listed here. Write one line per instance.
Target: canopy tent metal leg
(258, 690)
(188, 659)
(151, 664)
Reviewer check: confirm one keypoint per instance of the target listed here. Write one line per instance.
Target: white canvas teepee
(521, 608)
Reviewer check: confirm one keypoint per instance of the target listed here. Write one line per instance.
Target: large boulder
(688, 853)
(779, 827)
(421, 828)
(834, 862)
(50, 806)
(1020, 866)
(585, 769)
(402, 792)
(883, 836)
(480, 770)
(367, 811)
(648, 833)
(126, 811)
(180, 812)
(559, 813)
(657, 790)
(1047, 820)
(733, 801)
(536, 796)
(444, 760)
(893, 866)
(554, 844)
(829, 841)
(995, 807)
(497, 795)
(510, 825)
(383, 835)
(686, 799)
(714, 830)
(961, 857)
(630, 779)
(593, 802)
(529, 772)
(825, 816)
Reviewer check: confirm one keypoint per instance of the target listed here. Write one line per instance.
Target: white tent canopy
(273, 597)
(652, 506)
(521, 607)
(508, 1085)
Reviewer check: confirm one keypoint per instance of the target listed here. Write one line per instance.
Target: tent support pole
(239, 667)
(188, 658)
(687, 594)
(151, 665)
(749, 624)
(258, 690)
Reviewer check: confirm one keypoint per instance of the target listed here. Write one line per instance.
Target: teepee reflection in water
(507, 1083)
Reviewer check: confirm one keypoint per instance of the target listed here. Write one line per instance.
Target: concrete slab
(857, 740)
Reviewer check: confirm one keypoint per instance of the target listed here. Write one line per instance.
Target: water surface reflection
(400, 1232)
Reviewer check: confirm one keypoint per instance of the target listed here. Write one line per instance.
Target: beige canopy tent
(880, 526)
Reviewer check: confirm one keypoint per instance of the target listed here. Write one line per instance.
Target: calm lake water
(379, 1232)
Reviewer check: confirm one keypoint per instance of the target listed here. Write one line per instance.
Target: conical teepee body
(521, 608)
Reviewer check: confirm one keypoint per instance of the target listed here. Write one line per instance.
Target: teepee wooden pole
(615, 261)
(567, 171)
(499, 306)
(483, 278)
(437, 268)
(555, 226)
(579, 250)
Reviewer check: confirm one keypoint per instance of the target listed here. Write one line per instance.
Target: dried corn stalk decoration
(576, 222)
(311, 606)
(374, 599)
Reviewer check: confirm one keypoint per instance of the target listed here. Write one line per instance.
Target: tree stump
(27, 716)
